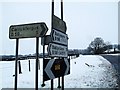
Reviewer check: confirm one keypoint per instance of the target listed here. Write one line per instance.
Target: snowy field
(87, 71)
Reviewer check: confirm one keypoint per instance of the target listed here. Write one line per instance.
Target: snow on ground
(86, 72)
(99, 73)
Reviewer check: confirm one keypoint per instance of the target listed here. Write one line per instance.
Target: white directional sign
(27, 30)
(59, 37)
(55, 50)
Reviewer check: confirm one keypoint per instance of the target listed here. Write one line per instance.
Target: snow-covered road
(86, 72)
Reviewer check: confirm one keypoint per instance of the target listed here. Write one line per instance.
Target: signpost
(57, 43)
(56, 50)
(54, 68)
(27, 30)
(59, 24)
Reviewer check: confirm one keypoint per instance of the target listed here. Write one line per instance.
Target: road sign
(59, 24)
(59, 37)
(54, 68)
(45, 40)
(56, 50)
(27, 30)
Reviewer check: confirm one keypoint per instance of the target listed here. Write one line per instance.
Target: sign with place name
(56, 50)
(27, 30)
(59, 37)
(54, 68)
(59, 24)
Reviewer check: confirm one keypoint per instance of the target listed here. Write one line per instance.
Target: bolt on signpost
(28, 31)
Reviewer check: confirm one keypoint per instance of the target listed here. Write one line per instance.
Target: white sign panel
(59, 37)
(27, 30)
(55, 50)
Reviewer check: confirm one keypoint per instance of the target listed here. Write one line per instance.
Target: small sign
(46, 40)
(59, 37)
(56, 50)
(27, 30)
(54, 68)
(59, 24)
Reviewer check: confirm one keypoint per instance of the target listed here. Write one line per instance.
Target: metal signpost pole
(62, 82)
(62, 9)
(16, 60)
(37, 60)
(59, 82)
(43, 84)
(63, 58)
(51, 29)
(52, 84)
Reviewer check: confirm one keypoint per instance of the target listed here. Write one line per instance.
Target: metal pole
(16, 60)
(52, 84)
(62, 82)
(43, 84)
(63, 58)
(52, 14)
(37, 60)
(51, 29)
(59, 82)
(62, 9)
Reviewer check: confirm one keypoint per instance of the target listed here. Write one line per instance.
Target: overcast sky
(85, 19)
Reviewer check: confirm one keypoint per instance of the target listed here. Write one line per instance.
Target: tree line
(97, 46)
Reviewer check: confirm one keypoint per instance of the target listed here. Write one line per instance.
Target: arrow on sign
(59, 37)
(28, 30)
(68, 66)
(48, 69)
(55, 68)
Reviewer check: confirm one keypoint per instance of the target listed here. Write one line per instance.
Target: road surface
(115, 61)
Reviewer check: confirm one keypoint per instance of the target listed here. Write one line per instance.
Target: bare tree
(97, 45)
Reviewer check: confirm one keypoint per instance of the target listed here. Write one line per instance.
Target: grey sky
(85, 21)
